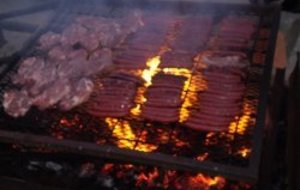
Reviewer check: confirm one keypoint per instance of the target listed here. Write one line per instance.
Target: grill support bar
(105, 151)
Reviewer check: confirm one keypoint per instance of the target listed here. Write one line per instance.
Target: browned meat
(163, 92)
(234, 33)
(217, 104)
(225, 78)
(167, 78)
(129, 66)
(208, 96)
(164, 102)
(226, 112)
(159, 117)
(16, 103)
(229, 45)
(177, 59)
(126, 53)
(115, 91)
(130, 62)
(225, 93)
(128, 77)
(115, 96)
(220, 102)
(225, 87)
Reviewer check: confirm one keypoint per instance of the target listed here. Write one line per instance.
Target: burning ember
(203, 182)
(122, 130)
(153, 178)
(244, 152)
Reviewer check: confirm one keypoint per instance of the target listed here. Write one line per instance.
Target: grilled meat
(221, 101)
(62, 77)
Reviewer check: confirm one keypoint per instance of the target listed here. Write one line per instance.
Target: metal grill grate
(171, 145)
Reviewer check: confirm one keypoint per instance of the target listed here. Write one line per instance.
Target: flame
(194, 84)
(148, 74)
(139, 100)
(122, 131)
(244, 152)
(149, 178)
(202, 157)
(177, 71)
(107, 168)
(206, 182)
(244, 121)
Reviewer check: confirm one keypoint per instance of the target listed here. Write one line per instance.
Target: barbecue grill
(234, 154)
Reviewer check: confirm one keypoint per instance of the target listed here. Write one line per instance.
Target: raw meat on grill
(95, 32)
(72, 34)
(59, 53)
(27, 70)
(40, 79)
(16, 103)
(70, 59)
(220, 102)
(51, 95)
(49, 40)
(80, 92)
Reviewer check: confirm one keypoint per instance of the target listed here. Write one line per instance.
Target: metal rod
(18, 27)
(106, 151)
(30, 10)
(255, 157)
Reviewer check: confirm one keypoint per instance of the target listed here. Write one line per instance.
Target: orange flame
(147, 75)
(244, 121)
(194, 84)
(126, 136)
(149, 178)
(202, 157)
(244, 152)
(206, 182)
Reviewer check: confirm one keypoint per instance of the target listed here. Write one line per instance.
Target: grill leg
(274, 146)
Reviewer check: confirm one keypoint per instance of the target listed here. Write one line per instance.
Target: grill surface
(234, 154)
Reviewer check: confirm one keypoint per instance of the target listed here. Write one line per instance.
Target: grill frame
(247, 173)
